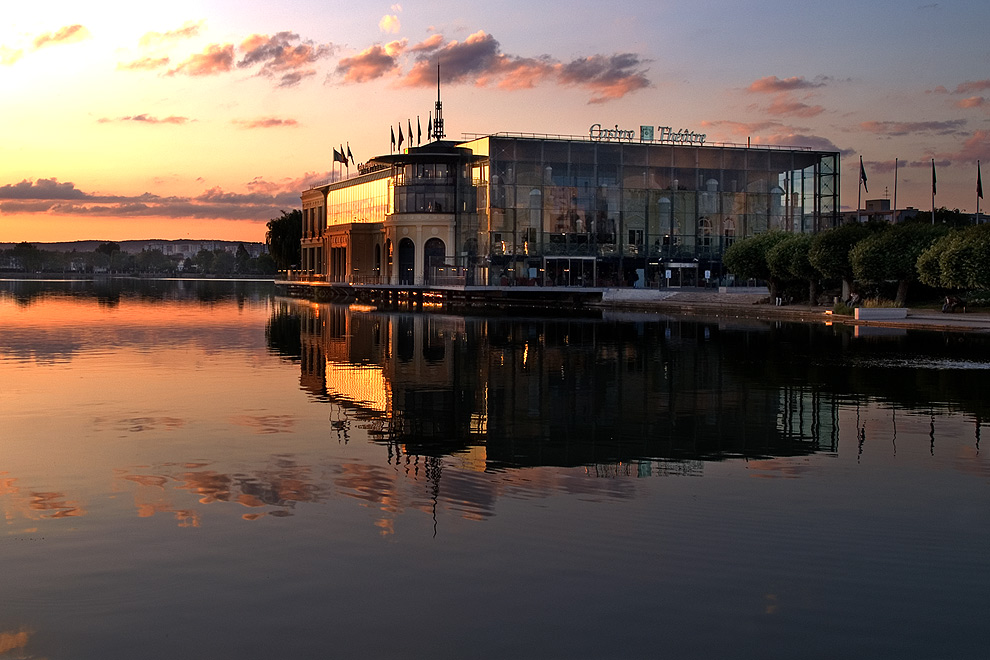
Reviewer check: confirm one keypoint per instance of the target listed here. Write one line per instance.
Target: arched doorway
(434, 253)
(407, 261)
(388, 260)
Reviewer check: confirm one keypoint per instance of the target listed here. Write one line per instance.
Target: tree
(29, 256)
(283, 238)
(203, 261)
(959, 260)
(893, 254)
(223, 262)
(747, 258)
(243, 259)
(789, 259)
(108, 249)
(153, 261)
(829, 252)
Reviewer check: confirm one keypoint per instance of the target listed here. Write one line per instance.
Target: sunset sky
(204, 118)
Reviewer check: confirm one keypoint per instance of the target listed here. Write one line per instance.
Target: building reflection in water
(650, 396)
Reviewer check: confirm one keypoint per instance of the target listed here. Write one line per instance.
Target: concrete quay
(749, 302)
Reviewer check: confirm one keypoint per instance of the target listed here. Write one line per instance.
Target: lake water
(206, 470)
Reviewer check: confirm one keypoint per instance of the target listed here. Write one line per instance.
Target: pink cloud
(427, 45)
(976, 147)
(265, 122)
(609, 77)
(773, 84)
(479, 60)
(948, 127)
(971, 86)
(215, 59)
(743, 128)
(147, 119)
(281, 53)
(784, 105)
(68, 34)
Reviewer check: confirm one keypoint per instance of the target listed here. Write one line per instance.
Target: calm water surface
(207, 470)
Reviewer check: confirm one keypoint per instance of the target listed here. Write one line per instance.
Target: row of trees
(867, 255)
(108, 257)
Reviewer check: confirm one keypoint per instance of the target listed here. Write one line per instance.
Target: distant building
(615, 208)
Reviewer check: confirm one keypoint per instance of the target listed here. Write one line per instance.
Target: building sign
(662, 134)
(599, 133)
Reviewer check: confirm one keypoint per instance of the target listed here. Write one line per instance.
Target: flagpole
(979, 190)
(933, 191)
(893, 216)
(859, 193)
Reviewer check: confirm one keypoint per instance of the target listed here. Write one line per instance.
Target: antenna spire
(438, 133)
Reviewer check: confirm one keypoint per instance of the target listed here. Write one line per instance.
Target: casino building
(649, 208)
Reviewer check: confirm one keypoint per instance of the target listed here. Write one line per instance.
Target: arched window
(729, 229)
(704, 232)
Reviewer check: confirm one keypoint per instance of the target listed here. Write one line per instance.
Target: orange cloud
(144, 64)
(368, 65)
(14, 640)
(971, 102)
(185, 32)
(773, 84)
(68, 34)
(8, 56)
(216, 59)
(390, 23)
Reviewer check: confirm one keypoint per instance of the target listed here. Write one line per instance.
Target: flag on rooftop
(400, 137)
(349, 154)
(862, 174)
(419, 132)
(393, 136)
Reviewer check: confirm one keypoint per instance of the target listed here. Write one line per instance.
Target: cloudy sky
(204, 118)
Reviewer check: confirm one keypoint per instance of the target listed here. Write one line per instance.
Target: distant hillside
(184, 248)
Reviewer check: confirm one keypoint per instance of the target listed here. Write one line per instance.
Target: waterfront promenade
(750, 302)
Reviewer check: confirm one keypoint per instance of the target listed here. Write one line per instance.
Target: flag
(349, 154)
(336, 156)
(979, 181)
(393, 137)
(429, 126)
(409, 122)
(343, 157)
(400, 137)
(862, 174)
(419, 132)
(933, 177)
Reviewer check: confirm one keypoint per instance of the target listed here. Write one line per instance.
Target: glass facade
(368, 199)
(607, 199)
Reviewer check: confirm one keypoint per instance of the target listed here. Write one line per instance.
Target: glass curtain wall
(631, 200)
